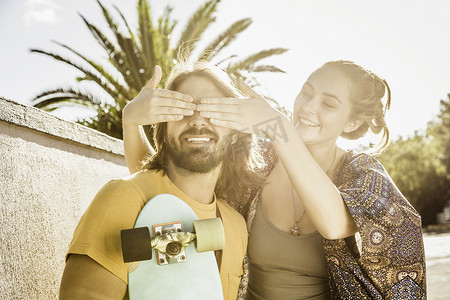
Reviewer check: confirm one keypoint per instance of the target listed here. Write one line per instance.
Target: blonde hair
(366, 95)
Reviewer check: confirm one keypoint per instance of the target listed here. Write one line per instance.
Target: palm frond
(109, 20)
(130, 32)
(165, 24)
(248, 62)
(63, 96)
(164, 53)
(266, 68)
(93, 77)
(120, 88)
(195, 27)
(129, 49)
(135, 65)
(101, 38)
(224, 39)
(146, 33)
(138, 52)
(116, 56)
(226, 59)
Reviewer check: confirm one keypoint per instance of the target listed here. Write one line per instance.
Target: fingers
(172, 95)
(174, 103)
(168, 118)
(230, 124)
(172, 111)
(225, 101)
(228, 108)
(156, 78)
(248, 91)
(168, 114)
(153, 83)
(220, 116)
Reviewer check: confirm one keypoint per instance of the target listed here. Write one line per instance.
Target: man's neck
(199, 186)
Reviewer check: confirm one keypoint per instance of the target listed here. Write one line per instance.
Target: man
(194, 161)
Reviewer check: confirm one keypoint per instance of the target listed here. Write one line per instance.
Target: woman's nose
(310, 105)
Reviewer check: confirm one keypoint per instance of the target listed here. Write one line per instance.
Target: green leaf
(224, 39)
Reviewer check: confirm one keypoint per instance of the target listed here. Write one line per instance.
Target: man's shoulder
(134, 184)
(144, 178)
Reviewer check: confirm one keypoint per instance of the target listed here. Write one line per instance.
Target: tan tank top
(283, 266)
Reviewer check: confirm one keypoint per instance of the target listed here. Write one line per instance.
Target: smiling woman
(327, 210)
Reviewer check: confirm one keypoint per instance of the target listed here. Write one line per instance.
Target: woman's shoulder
(354, 164)
(361, 159)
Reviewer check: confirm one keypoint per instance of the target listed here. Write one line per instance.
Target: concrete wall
(50, 170)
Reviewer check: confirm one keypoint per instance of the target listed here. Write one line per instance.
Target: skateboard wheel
(136, 244)
(210, 235)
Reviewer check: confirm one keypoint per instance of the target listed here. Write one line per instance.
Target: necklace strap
(295, 229)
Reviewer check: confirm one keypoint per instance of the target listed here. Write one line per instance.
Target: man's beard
(198, 159)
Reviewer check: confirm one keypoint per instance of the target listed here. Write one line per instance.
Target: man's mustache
(202, 131)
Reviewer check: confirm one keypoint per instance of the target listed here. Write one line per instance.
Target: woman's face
(322, 108)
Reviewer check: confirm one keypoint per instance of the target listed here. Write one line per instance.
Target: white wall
(50, 170)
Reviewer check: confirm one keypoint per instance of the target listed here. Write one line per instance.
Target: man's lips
(199, 137)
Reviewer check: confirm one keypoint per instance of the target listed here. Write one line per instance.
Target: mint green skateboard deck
(164, 271)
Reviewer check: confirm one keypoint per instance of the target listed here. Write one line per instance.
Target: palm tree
(133, 55)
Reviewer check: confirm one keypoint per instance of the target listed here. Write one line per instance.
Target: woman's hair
(243, 158)
(365, 96)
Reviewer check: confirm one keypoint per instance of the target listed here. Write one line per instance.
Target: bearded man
(195, 161)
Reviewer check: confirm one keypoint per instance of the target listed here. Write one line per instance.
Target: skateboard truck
(170, 242)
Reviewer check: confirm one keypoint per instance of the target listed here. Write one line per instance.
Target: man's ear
(352, 126)
(234, 139)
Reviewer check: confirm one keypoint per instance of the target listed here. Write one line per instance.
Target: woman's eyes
(328, 104)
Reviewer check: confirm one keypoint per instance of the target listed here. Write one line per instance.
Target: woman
(328, 223)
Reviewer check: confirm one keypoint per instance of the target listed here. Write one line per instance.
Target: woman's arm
(136, 146)
(150, 106)
(320, 196)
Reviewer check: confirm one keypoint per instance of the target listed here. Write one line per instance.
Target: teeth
(198, 140)
(308, 122)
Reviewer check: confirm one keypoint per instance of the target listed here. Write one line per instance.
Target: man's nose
(197, 121)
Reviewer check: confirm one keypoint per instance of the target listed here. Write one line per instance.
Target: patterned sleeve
(387, 252)
(270, 156)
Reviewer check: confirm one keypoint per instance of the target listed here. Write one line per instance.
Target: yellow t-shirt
(116, 207)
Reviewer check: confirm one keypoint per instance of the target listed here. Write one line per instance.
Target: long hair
(238, 174)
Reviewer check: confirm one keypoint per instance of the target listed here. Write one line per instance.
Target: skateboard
(171, 252)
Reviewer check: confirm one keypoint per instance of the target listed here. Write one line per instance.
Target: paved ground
(437, 252)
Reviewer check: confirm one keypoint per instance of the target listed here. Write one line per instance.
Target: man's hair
(238, 175)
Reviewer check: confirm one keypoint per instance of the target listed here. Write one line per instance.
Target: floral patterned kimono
(385, 259)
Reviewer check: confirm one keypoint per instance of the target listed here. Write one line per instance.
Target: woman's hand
(154, 105)
(252, 114)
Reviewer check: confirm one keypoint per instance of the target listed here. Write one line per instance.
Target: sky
(407, 42)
